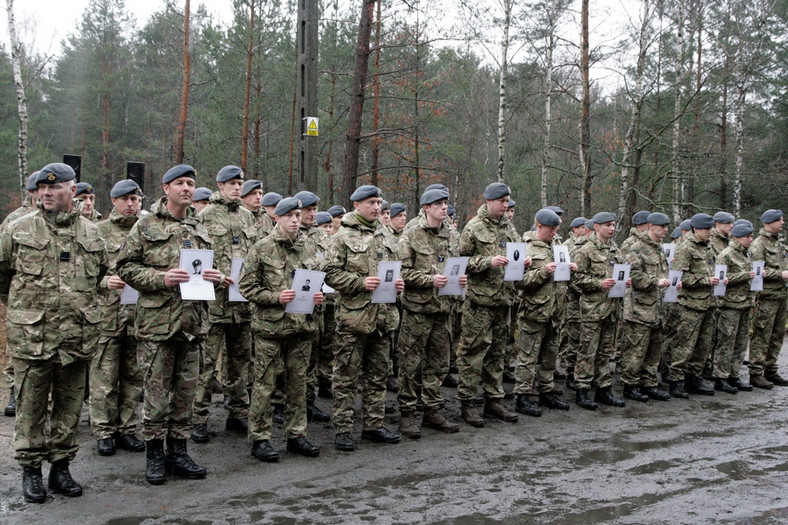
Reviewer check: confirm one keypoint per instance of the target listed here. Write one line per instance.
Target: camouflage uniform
(283, 341)
(363, 329)
(263, 222)
(644, 315)
(718, 242)
(233, 232)
(599, 313)
(485, 321)
(115, 376)
(734, 312)
(768, 321)
(170, 331)
(567, 353)
(634, 236)
(50, 268)
(693, 328)
(320, 362)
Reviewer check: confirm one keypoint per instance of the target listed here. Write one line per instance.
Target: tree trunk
(181, 131)
(248, 92)
(548, 107)
(507, 22)
(21, 100)
(675, 168)
(724, 135)
(373, 168)
(585, 117)
(742, 95)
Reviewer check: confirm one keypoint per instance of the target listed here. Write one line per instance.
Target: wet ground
(721, 459)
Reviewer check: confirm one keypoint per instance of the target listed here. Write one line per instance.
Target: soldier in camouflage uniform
(637, 232)
(171, 331)
(599, 313)
(567, 351)
(768, 320)
(329, 322)
(115, 376)
(424, 332)
(252, 197)
(87, 194)
(485, 322)
(692, 321)
(733, 322)
(644, 319)
(202, 198)
(233, 231)
(283, 341)
(337, 213)
(51, 263)
(363, 329)
(539, 325)
(720, 234)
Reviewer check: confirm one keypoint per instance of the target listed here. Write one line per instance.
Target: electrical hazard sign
(312, 126)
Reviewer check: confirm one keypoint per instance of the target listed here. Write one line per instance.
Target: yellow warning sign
(312, 126)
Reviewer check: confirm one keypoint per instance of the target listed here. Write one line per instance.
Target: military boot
(655, 393)
(10, 408)
(200, 433)
(315, 414)
(696, 385)
(33, 485)
(633, 392)
(582, 399)
(776, 379)
(524, 405)
(470, 414)
(61, 482)
(570, 379)
(279, 414)
(606, 397)
(677, 390)
(154, 454)
(180, 463)
(761, 382)
(408, 426)
(236, 424)
(549, 400)
(722, 385)
(493, 408)
(436, 419)
(740, 385)
(263, 451)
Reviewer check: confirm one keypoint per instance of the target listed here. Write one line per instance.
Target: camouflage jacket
(424, 251)
(695, 259)
(572, 296)
(24, 209)
(232, 229)
(117, 319)
(717, 242)
(737, 292)
(154, 246)
(538, 291)
(595, 261)
(50, 269)
(263, 222)
(315, 246)
(482, 239)
(771, 248)
(643, 304)
(354, 254)
(634, 236)
(269, 269)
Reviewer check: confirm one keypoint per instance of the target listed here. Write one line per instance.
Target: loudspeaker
(136, 171)
(75, 161)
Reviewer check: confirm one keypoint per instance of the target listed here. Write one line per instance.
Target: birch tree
(21, 100)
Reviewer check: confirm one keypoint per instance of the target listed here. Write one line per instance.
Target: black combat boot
(677, 390)
(606, 397)
(570, 379)
(696, 385)
(33, 485)
(10, 408)
(313, 413)
(740, 385)
(279, 414)
(263, 451)
(154, 454)
(525, 406)
(61, 482)
(582, 399)
(239, 425)
(200, 433)
(105, 446)
(549, 400)
(722, 385)
(633, 392)
(303, 447)
(655, 393)
(179, 462)
(129, 442)
(450, 381)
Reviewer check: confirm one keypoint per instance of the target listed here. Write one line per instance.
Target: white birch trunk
(742, 95)
(675, 168)
(21, 100)
(507, 7)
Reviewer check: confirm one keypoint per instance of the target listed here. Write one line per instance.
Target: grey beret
(181, 170)
(55, 172)
(287, 205)
(548, 217)
(676, 233)
(85, 188)
(229, 173)
(364, 192)
(451, 211)
(724, 217)
(322, 217)
(430, 196)
(496, 190)
(336, 210)
(578, 222)
(658, 219)
(384, 205)
(249, 186)
(556, 209)
(271, 199)
(604, 216)
(512, 203)
(307, 198)
(640, 217)
(436, 187)
(397, 208)
(742, 230)
(702, 221)
(771, 216)
(125, 187)
(742, 221)
(202, 194)
(685, 225)
(590, 224)
(32, 180)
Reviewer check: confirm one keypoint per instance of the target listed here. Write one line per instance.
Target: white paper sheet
(756, 284)
(620, 274)
(561, 257)
(388, 273)
(455, 267)
(672, 291)
(720, 271)
(197, 288)
(515, 252)
(233, 293)
(306, 284)
(129, 295)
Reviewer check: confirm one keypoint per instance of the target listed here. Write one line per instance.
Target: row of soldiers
(53, 261)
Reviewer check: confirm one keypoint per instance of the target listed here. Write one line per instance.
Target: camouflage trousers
(288, 358)
(170, 370)
(732, 330)
(538, 348)
(514, 334)
(768, 330)
(236, 338)
(691, 338)
(423, 359)
(325, 359)
(482, 353)
(35, 381)
(115, 385)
(570, 334)
(365, 357)
(641, 349)
(597, 344)
(667, 351)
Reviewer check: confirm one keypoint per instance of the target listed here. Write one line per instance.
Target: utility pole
(308, 12)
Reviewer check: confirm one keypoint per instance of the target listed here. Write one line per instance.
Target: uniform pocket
(25, 332)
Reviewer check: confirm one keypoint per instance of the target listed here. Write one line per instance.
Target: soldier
(720, 234)
(337, 213)
(768, 321)
(115, 376)
(398, 218)
(485, 328)
(539, 326)
(510, 211)
(692, 319)
(323, 222)
(385, 213)
(643, 313)
(363, 329)
(733, 322)
(87, 194)
(567, 352)
(638, 230)
(283, 341)
(686, 228)
(233, 231)
(51, 263)
(171, 331)
(424, 337)
(599, 313)
(252, 199)
(329, 323)
(202, 197)
(269, 202)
